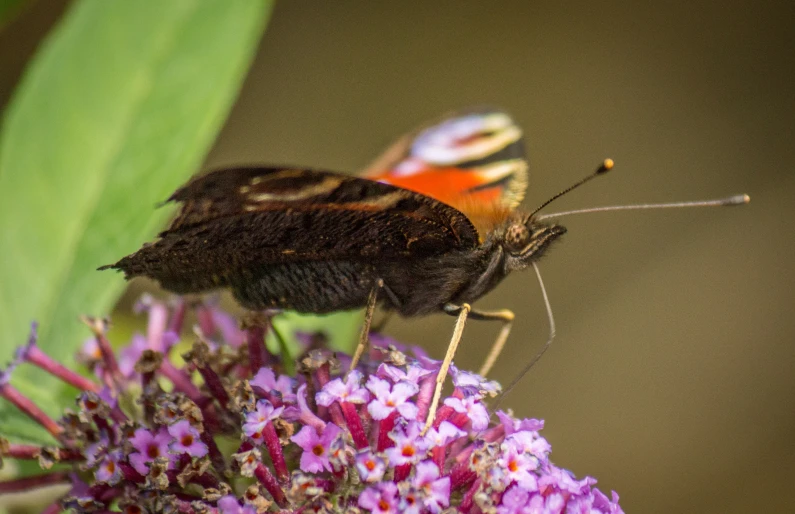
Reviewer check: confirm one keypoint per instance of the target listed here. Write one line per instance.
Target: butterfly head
(525, 240)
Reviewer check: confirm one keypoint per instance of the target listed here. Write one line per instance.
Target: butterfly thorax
(425, 286)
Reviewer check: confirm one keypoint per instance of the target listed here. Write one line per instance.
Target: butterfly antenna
(603, 168)
(540, 352)
(721, 202)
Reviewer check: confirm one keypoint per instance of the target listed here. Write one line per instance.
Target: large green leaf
(119, 106)
(8, 10)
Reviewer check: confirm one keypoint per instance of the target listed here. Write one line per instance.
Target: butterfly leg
(462, 311)
(364, 337)
(506, 317)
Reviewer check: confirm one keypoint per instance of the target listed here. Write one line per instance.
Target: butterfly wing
(472, 160)
(235, 223)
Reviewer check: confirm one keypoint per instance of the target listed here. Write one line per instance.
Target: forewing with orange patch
(472, 160)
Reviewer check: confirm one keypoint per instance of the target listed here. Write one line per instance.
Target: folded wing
(236, 220)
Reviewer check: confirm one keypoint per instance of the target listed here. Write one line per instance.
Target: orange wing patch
(473, 161)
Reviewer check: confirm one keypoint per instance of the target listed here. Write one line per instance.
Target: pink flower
(256, 420)
(302, 412)
(380, 498)
(187, 439)
(228, 326)
(518, 467)
(435, 490)
(515, 425)
(518, 501)
(130, 354)
(602, 504)
(148, 447)
(96, 452)
(370, 466)
(316, 447)
(409, 446)
(473, 384)
(348, 390)
(563, 480)
(89, 353)
(266, 380)
(410, 501)
(389, 398)
(444, 435)
(229, 505)
(474, 410)
(530, 443)
(108, 470)
(414, 372)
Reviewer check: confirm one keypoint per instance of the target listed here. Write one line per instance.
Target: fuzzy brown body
(318, 242)
(411, 287)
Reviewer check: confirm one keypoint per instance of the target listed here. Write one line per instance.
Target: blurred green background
(672, 378)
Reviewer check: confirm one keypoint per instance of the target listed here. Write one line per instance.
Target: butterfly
(431, 226)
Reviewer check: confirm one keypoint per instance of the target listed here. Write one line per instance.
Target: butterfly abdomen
(317, 287)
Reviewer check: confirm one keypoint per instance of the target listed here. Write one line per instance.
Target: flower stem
(216, 457)
(267, 479)
(38, 358)
(27, 406)
(275, 451)
(34, 482)
(461, 476)
(354, 423)
(386, 426)
(99, 327)
(469, 498)
(257, 352)
(402, 472)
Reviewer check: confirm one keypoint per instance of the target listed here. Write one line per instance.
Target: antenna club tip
(606, 166)
(742, 199)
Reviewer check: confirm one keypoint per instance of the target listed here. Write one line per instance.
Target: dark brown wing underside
(234, 221)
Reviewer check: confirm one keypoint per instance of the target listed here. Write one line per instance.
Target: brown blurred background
(671, 380)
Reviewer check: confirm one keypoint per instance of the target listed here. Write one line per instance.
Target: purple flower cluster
(228, 432)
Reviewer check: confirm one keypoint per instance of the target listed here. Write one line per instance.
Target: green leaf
(8, 10)
(341, 328)
(118, 108)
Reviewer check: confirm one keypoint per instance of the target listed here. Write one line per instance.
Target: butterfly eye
(516, 238)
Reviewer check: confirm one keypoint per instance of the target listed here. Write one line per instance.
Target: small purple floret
(414, 373)
(380, 498)
(148, 447)
(370, 466)
(256, 420)
(389, 398)
(409, 446)
(229, 505)
(108, 470)
(317, 448)
(186, 439)
(444, 435)
(266, 380)
(474, 410)
(518, 467)
(347, 390)
(130, 354)
(435, 489)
